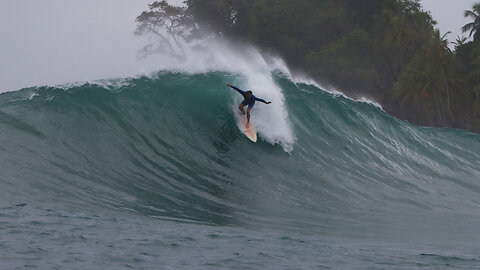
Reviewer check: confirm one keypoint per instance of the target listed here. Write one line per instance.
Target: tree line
(388, 50)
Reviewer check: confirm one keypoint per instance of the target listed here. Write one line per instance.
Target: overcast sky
(61, 41)
(449, 15)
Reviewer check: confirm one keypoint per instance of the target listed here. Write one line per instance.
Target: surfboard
(248, 131)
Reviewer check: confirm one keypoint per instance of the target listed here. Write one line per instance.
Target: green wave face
(169, 147)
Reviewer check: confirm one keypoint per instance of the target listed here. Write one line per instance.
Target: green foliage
(351, 58)
(386, 49)
(474, 27)
(168, 24)
(429, 81)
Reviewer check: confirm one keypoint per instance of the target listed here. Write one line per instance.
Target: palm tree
(459, 42)
(444, 78)
(431, 75)
(473, 27)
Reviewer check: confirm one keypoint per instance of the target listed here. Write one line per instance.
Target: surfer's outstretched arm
(262, 100)
(238, 89)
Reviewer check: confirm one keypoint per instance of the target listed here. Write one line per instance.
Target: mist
(61, 41)
(66, 42)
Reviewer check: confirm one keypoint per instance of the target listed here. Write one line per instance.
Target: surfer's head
(249, 93)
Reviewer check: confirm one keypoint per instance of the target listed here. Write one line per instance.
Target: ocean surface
(154, 173)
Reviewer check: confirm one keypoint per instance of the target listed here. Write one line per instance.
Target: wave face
(169, 147)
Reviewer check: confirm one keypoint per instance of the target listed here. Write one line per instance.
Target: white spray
(270, 121)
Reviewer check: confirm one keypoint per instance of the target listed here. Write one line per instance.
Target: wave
(168, 146)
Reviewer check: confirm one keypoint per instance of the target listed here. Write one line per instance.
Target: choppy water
(153, 173)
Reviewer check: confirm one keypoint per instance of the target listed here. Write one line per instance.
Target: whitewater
(152, 172)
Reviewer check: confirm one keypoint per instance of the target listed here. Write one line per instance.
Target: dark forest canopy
(388, 50)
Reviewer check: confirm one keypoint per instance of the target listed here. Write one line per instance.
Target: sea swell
(168, 146)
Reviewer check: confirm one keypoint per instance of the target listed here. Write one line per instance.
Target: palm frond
(467, 27)
(476, 8)
(469, 13)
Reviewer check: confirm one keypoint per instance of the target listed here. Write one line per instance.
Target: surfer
(248, 99)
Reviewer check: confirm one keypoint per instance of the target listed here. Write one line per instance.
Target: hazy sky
(449, 15)
(60, 41)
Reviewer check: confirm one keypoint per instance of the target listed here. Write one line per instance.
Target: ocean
(153, 172)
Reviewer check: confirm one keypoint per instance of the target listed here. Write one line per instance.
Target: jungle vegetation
(388, 50)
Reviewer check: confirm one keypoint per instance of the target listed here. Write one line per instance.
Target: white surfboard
(248, 131)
